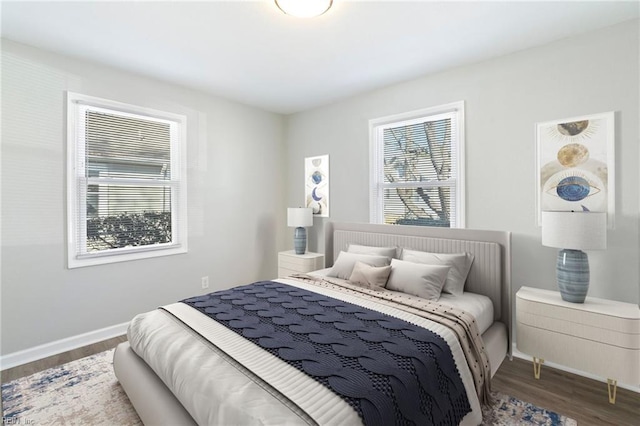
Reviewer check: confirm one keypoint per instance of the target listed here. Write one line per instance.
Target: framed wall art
(575, 168)
(316, 184)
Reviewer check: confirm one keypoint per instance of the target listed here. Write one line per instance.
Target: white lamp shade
(304, 8)
(299, 216)
(574, 230)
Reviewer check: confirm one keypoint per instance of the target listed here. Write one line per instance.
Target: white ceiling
(250, 52)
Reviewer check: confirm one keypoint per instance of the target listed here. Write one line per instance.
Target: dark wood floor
(52, 361)
(582, 399)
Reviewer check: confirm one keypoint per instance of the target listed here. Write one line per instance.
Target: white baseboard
(518, 354)
(59, 346)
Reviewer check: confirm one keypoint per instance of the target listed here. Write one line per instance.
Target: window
(126, 184)
(417, 167)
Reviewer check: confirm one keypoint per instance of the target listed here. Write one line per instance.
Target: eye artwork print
(573, 158)
(572, 187)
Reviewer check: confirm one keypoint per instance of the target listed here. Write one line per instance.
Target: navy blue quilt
(388, 370)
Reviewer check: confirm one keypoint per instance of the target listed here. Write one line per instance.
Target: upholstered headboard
(490, 272)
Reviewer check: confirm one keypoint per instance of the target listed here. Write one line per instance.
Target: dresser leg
(612, 387)
(537, 365)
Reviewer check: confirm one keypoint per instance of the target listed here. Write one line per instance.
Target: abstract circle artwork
(573, 188)
(573, 154)
(575, 159)
(317, 185)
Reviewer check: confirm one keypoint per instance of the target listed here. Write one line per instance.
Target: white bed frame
(490, 275)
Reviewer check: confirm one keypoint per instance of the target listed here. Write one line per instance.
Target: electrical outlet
(205, 282)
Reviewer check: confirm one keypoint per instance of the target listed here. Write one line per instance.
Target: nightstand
(291, 263)
(598, 336)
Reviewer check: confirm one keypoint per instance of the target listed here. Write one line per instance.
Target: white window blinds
(416, 171)
(125, 183)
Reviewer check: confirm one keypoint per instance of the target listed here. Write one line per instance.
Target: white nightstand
(291, 263)
(598, 336)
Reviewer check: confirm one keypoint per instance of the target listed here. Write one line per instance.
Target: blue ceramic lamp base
(300, 240)
(572, 270)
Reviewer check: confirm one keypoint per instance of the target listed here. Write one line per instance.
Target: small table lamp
(573, 232)
(299, 217)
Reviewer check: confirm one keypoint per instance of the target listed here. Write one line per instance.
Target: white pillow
(373, 277)
(345, 262)
(390, 252)
(460, 264)
(418, 279)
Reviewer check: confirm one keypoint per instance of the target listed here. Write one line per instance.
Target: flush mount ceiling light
(304, 8)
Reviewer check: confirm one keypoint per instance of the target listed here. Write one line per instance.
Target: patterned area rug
(82, 392)
(507, 410)
(86, 392)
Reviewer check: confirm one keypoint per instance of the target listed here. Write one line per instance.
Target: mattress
(241, 379)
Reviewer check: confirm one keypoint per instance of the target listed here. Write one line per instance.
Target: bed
(181, 367)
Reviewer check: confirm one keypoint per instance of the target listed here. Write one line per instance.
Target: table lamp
(299, 217)
(573, 232)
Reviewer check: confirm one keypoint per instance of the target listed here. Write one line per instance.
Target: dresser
(291, 263)
(598, 336)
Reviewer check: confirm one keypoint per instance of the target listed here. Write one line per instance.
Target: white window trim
(76, 215)
(376, 204)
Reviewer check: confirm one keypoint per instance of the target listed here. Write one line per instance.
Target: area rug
(86, 392)
(82, 392)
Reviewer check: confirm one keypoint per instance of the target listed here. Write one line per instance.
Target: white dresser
(291, 263)
(598, 336)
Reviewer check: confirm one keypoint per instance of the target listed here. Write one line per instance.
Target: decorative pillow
(418, 279)
(460, 264)
(373, 277)
(345, 262)
(390, 252)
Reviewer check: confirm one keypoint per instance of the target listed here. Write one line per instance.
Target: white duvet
(216, 390)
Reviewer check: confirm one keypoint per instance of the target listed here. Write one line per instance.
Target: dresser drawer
(291, 263)
(577, 314)
(599, 358)
(285, 272)
(294, 263)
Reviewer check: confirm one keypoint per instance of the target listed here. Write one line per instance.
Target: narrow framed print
(316, 184)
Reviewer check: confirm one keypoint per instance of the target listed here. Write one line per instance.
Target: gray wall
(236, 201)
(504, 98)
(245, 166)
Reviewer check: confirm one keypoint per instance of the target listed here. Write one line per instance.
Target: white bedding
(476, 304)
(215, 390)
